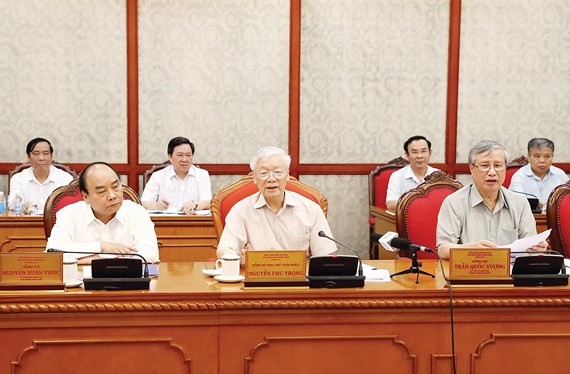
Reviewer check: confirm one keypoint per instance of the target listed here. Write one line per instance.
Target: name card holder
(479, 266)
(31, 271)
(279, 268)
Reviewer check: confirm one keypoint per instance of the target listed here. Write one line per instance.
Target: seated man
(538, 178)
(483, 213)
(418, 152)
(181, 186)
(274, 218)
(34, 184)
(103, 221)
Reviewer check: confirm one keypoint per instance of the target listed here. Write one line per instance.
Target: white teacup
(69, 268)
(229, 264)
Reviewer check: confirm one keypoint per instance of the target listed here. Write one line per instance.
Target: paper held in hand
(522, 245)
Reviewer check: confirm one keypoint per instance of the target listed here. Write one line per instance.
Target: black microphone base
(539, 280)
(116, 284)
(336, 281)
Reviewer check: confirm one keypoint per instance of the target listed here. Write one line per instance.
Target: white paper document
(375, 275)
(521, 245)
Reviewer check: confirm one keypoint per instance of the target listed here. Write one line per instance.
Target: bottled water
(18, 204)
(2, 203)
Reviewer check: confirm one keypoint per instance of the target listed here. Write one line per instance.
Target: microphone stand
(415, 268)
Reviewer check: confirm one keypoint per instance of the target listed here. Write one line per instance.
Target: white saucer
(229, 279)
(212, 272)
(73, 283)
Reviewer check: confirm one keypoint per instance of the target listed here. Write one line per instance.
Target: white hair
(267, 152)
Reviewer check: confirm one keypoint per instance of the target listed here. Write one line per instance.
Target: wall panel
(373, 73)
(514, 74)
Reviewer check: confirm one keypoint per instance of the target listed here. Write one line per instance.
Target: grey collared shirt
(464, 218)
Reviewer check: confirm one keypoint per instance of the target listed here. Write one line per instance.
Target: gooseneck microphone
(322, 234)
(400, 243)
(145, 272)
(526, 193)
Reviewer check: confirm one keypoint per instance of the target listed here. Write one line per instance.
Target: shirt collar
(31, 176)
(529, 173)
(260, 202)
(475, 198)
(409, 173)
(89, 216)
(172, 173)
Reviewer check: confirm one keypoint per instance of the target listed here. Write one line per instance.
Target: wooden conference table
(180, 238)
(190, 323)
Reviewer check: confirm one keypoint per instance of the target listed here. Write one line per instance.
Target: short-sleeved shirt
(464, 218)
(525, 181)
(77, 229)
(31, 190)
(295, 226)
(403, 180)
(165, 185)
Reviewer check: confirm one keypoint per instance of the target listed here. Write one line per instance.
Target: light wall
(371, 73)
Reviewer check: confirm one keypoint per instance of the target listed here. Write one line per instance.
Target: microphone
(128, 280)
(527, 194)
(385, 239)
(360, 270)
(406, 244)
(145, 272)
(400, 242)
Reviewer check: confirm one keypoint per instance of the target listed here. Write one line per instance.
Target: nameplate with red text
(479, 265)
(276, 268)
(31, 271)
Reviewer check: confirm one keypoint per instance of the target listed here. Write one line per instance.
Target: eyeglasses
(485, 168)
(423, 152)
(277, 174)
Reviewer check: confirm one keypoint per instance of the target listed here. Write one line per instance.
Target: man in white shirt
(103, 221)
(417, 150)
(539, 177)
(181, 186)
(34, 184)
(274, 218)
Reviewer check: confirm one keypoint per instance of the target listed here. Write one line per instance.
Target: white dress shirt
(525, 181)
(30, 189)
(165, 185)
(76, 229)
(295, 226)
(403, 180)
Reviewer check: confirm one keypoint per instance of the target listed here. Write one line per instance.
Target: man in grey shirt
(485, 214)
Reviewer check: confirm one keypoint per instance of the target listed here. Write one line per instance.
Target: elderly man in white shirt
(34, 184)
(181, 186)
(539, 177)
(417, 150)
(103, 221)
(274, 218)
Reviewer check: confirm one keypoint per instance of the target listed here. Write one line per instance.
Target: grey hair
(540, 143)
(485, 147)
(266, 152)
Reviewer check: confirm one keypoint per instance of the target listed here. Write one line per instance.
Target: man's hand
(484, 244)
(189, 208)
(161, 205)
(540, 247)
(107, 247)
(242, 253)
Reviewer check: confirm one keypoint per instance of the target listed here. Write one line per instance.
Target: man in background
(181, 186)
(539, 177)
(33, 185)
(417, 150)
